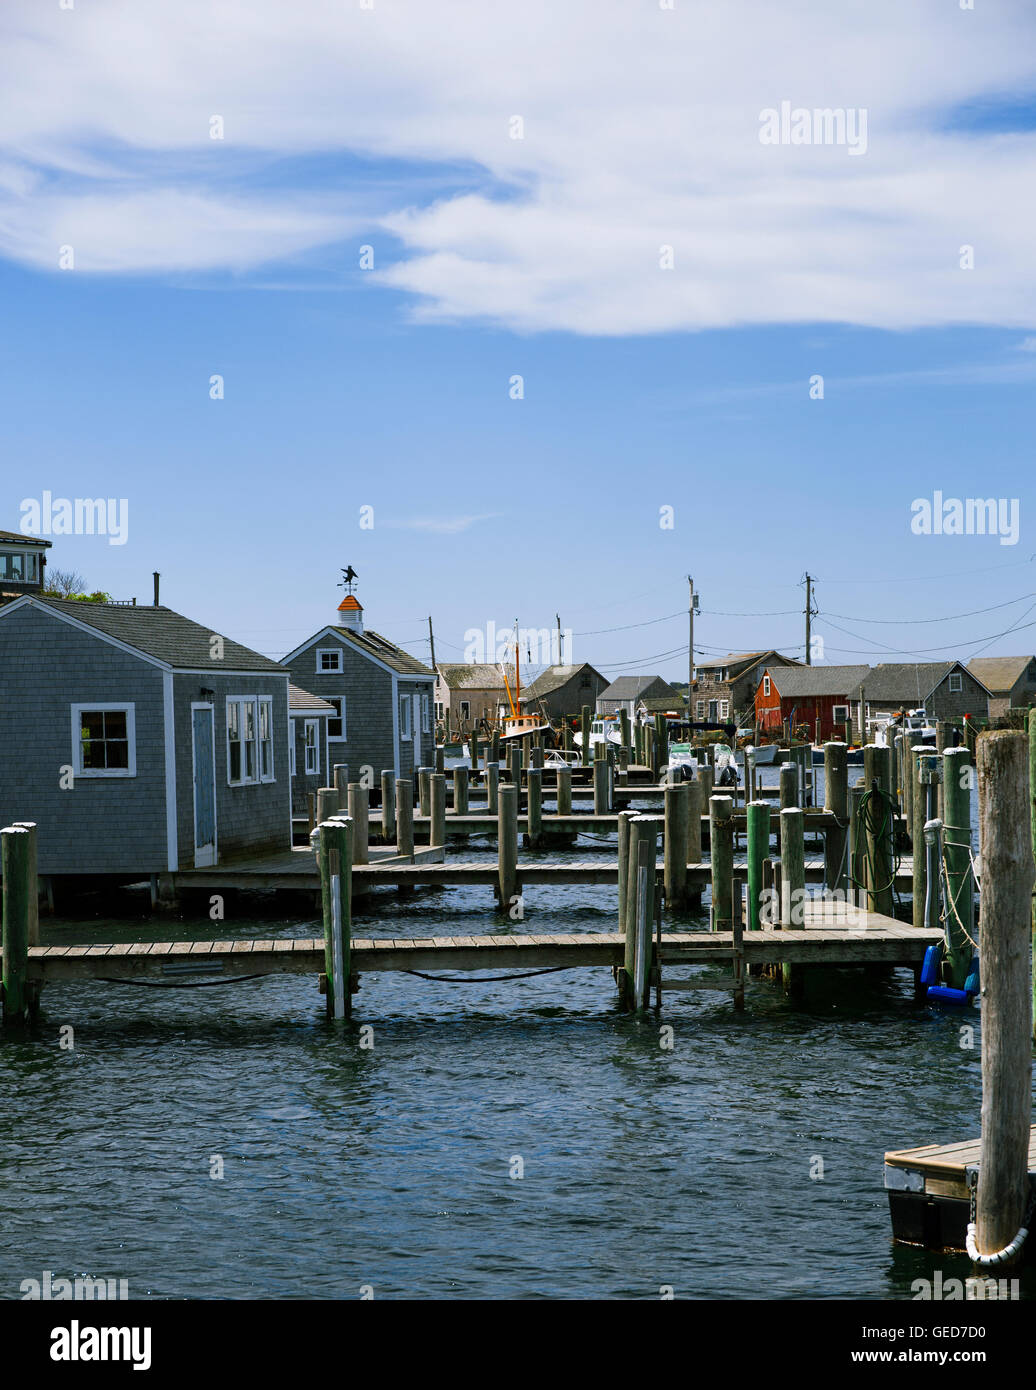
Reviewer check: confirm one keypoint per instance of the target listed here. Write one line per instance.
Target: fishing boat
(606, 730)
(519, 724)
(763, 755)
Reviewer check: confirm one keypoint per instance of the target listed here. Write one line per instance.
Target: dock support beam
(584, 724)
(16, 857)
(564, 791)
(1005, 797)
(695, 809)
(601, 778)
(789, 785)
(507, 845)
(879, 827)
(388, 807)
(958, 775)
(437, 797)
(405, 818)
(424, 790)
(335, 860)
(675, 844)
(460, 790)
(534, 807)
(492, 787)
(721, 841)
(757, 817)
(640, 899)
(358, 802)
(917, 848)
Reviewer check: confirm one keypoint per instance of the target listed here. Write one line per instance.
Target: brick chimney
(350, 614)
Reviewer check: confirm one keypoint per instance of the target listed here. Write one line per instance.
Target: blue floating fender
(972, 983)
(930, 968)
(945, 995)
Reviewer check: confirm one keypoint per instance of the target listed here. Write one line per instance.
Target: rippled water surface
(390, 1167)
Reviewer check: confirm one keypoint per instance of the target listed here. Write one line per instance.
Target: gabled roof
(999, 673)
(745, 660)
(554, 677)
(477, 675)
(910, 682)
(302, 699)
(793, 681)
(8, 536)
(631, 687)
(158, 633)
(369, 643)
(662, 704)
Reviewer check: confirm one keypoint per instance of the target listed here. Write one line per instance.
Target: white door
(204, 744)
(415, 724)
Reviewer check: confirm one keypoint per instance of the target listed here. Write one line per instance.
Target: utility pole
(809, 615)
(431, 640)
(690, 643)
(561, 650)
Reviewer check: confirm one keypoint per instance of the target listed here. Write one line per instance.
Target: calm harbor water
(391, 1166)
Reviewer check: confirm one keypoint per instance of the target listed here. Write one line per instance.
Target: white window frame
(255, 702)
(405, 731)
(426, 726)
(724, 709)
(842, 718)
(465, 709)
(313, 724)
(104, 707)
(336, 700)
(335, 670)
(958, 688)
(292, 735)
(700, 708)
(766, 686)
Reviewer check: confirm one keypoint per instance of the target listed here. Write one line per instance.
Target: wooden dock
(930, 1191)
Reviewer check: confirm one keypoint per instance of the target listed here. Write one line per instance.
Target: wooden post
(857, 850)
(789, 785)
(1005, 809)
(494, 747)
(675, 844)
(405, 817)
(584, 723)
(906, 781)
(1032, 815)
(440, 758)
(640, 883)
(536, 754)
(879, 828)
(942, 742)
(460, 790)
(600, 781)
(335, 860)
(738, 953)
(721, 854)
(341, 783)
(793, 868)
(492, 787)
(534, 807)
(624, 818)
(437, 830)
(564, 791)
(917, 849)
(707, 777)
(960, 882)
(311, 806)
(388, 807)
(473, 750)
(694, 815)
(16, 859)
(424, 790)
(359, 814)
(624, 736)
(327, 803)
(757, 816)
(836, 801)
(507, 845)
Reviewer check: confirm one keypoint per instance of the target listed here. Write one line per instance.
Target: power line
(946, 646)
(924, 578)
(912, 621)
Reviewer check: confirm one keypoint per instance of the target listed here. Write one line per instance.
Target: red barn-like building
(816, 696)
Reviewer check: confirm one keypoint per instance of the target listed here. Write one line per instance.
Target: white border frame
(129, 709)
(210, 706)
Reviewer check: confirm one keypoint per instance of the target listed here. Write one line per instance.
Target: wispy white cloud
(439, 525)
(640, 131)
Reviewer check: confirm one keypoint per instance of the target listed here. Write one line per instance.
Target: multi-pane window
(329, 660)
(724, 709)
(701, 709)
(312, 745)
(22, 567)
(766, 685)
(404, 716)
(249, 739)
(104, 743)
(336, 723)
(425, 715)
(956, 683)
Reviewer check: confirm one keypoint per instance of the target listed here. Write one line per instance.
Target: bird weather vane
(349, 577)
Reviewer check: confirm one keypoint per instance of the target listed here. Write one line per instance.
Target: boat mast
(517, 672)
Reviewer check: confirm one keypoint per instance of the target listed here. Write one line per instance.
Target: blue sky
(643, 388)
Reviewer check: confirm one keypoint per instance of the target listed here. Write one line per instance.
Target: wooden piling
(707, 778)
(536, 754)
(534, 807)
(917, 820)
(507, 844)
(584, 724)
(388, 807)
(906, 779)
(564, 792)
(424, 790)
(437, 797)
(789, 785)
(1005, 809)
(601, 799)
(16, 859)
(358, 801)
(943, 741)
(675, 844)
(793, 867)
(440, 758)
(857, 850)
(757, 818)
(405, 817)
(1032, 817)
(879, 828)
(473, 752)
(327, 803)
(494, 747)
(960, 882)
(335, 860)
(492, 787)
(836, 800)
(695, 811)
(640, 883)
(32, 987)
(624, 818)
(721, 854)
(624, 736)
(461, 775)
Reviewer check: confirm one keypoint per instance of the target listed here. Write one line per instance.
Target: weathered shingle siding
(101, 825)
(369, 713)
(306, 782)
(424, 746)
(250, 819)
(970, 699)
